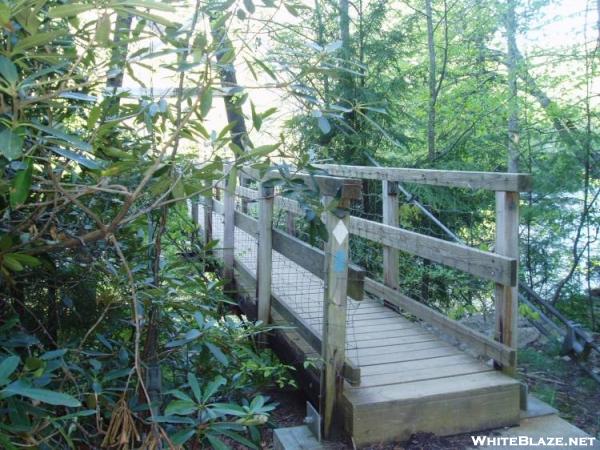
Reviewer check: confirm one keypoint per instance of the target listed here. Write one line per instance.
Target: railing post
(207, 201)
(290, 223)
(334, 322)
(265, 252)
(228, 235)
(391, 264)
(506, 297)
(194, 210)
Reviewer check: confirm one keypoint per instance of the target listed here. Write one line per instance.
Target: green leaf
(8, 70)
(181, 437)
(150, 5)
(206, 101)
(189, 337)
(180, 395)
(239, 438)
(258, 152)
(26, 260)
(193, 382)
(256, 118)
(213, 387)
(41, 395)
(69, 10)
(6, 443)
(21, 184)
(292, 10)
(266, 68)
(151, 17)
(93, 117)
(37, 40)
(11, 144)
(79, 96)
(79, 159)
(324, 125)
(70, 139)
(53, 354)
(103, 30)
(8, 366)
(4, 15)
(249, 5)
(216, 443)
(229, 409)
(181, 408)
(11, 263)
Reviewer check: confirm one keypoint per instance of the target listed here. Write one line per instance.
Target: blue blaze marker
(339, 261)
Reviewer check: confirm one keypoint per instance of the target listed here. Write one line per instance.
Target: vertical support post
(391, 264)
(194, 210)
(207, 219)
(290, 225)
(334, 322)
(265, 252)
(228, 235)
(506, 297)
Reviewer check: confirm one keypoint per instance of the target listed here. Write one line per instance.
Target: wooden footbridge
(381, 374)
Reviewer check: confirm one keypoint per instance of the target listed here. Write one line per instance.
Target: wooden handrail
(493, 181)
(327, 185)
(487, 265)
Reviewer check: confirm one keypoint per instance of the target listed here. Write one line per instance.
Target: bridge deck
(411, 380)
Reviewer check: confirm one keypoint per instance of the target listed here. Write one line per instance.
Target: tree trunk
(119, 52)
(513, 101)
(228, 78)
(432, 82)
(347, 81)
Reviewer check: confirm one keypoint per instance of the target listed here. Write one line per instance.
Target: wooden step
(459, 402)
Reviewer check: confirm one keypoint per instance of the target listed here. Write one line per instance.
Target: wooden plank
(264, 254)
(334, 323)
(391, 262)
(409, 366)
(423, 374)
(370, 354)
(356, 331)
(441, 350)
(394, 342)
(476, 340)
(506, 296)
(487, 265)
(494, 181)
(444, 406)
(381, 335)
(414, 392)
(246, 223)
